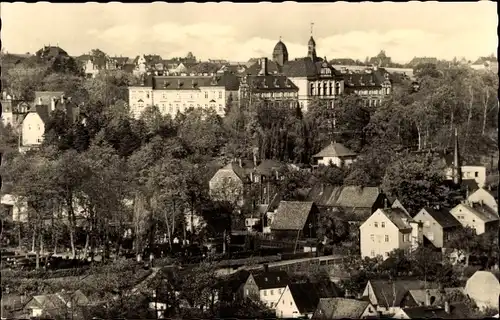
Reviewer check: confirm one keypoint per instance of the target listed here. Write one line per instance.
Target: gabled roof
(335, 149)
(457, 311)
(340, 308)
(324, 194)
(358, 197)
(307, 295)
(291, 215)
(42, 111)
(268, 167)
(384, 290)
(271, 279)
(234, 167)
(443, 217)
(398, 204)
(483, 212)
(397, 216)
(303, 67)
(419, 295)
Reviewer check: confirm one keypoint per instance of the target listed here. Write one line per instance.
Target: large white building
(172, 94)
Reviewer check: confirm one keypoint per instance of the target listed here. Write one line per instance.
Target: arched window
(330, 89)
(311, 89)
(325, 85)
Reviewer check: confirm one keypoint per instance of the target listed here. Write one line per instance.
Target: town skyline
(359, 30)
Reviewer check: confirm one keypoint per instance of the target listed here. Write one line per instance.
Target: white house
(302, 299)
(33, 127)
(479, 217)
(484, 288)
(388, 229)
(266, 287)
(336, 154)
(483, 196)
(476, 172)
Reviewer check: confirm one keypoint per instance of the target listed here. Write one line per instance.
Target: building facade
(172, 94)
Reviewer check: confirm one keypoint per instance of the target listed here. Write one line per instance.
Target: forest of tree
(148, 172)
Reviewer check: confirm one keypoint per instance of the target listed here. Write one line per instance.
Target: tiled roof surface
(291, 215)
(267, 167)
(303, 67)
(307, 295)
(356, 197)
(228, 81)
(457, 311)
(321, 194)
(339, 308)
(443, 217)
(335, 149)
(270, 82)
(255, 67)
(483, 212)
(384, 290)
(239, 171)
(400, 218)
(43, 112)
(271, 279)
(419, 295)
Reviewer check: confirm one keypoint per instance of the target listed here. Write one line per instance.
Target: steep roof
(457, 311)
(42, 111)
(270, 82)
(339, 308)
(400, 218)
(304, 68)
(228, 81)
(255, 67)
(358, 197)
(271, 279)
(443, 217)
(419, 295)
(384, 290)
(483, 212)
(267, 167)
(291, 215)
(307, 295)
(335, 149)
(321, 194)
(239, 171)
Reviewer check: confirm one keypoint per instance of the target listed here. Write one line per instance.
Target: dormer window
(276, 84)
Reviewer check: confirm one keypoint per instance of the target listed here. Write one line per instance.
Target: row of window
(271, 292)
(324, 89)
(38, 127)
(379, 238)
(382, 224)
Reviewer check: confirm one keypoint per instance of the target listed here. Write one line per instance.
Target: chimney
(40, 102)
(255, 150)
(239, 162)
(385, 203)
(446, 306)
(266, 267)
(53, 104)
(263, 66)
(427, 298)
(62, 98)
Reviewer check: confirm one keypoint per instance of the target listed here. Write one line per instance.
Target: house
(295, 219)
(33, 124)
(434, 297)
(484, 289)
(343, 308)
(335, 154)
(229, 183)
(446, 311)
(438, 225)
(62, 304)
(302, 299)
(484, 196)
(266, 286)
(355, 202)
(480, 217)
(387, 230)
(232, 287)
(388, 297)
(266, 175)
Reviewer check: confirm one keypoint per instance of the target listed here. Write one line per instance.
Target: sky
(238, 32)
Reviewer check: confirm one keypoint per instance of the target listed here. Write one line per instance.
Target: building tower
(311, 46)
(457, 166)
(280, 53)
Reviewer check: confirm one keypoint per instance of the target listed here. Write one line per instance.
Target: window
(283, 301)
(265, 292)
(375, 224)
(206, 95)
(386, 238)
(39, 140)
(430, 235)
(272, 292)
(220, 95)
(29, 127)
(476, 174)
(38, 127)
(382, 224)
(248, 292)
(372, 237)
(372, 253)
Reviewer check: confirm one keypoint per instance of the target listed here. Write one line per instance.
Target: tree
(24, 81)
(426, 262)
(465, 241)
(292, 183)
(426, 69)
(331, 175)
(333, 228)
(417, 181)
